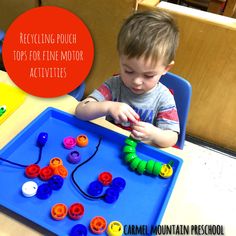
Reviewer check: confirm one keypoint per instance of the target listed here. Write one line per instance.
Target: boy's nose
(137, 81)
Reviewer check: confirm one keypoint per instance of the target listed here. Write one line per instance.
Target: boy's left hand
(142, 131)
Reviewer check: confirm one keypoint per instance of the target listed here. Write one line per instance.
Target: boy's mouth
(135, 90)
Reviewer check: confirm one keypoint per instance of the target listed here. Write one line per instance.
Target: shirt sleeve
(167, 115)
(108, 91)
(104, 92)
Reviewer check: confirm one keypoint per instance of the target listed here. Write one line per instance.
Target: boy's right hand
(122, 112)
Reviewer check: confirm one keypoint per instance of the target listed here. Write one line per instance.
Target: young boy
(146, 44)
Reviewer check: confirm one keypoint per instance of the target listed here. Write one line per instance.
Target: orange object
(82, 140)
(55, 162)
(61, 170)
(59, 211)
(98, 225)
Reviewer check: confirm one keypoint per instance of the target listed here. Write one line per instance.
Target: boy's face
(141, 76)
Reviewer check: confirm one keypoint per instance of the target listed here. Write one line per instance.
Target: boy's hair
(152, 34)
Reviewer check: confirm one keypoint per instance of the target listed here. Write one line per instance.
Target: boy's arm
(90, 109)
(149, 133)
(165, 138)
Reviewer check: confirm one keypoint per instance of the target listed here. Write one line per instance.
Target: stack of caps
(115, 186)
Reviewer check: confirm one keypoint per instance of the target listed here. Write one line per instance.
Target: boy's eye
(149, 76)
(128, 72)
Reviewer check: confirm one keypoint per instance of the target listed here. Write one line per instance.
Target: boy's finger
(132, 120)
(136, 134)
(123, 117)
(136, 116)
(133, 112)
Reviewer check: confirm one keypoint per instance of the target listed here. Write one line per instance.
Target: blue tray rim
(49, 111)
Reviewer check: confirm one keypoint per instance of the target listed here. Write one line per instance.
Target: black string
(76, 168)
(21, 165)
(73, 172)
(40, 155)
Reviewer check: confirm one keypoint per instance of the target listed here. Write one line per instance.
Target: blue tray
(142, 202)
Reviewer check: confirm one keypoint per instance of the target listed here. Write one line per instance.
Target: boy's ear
(168, 67)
